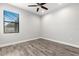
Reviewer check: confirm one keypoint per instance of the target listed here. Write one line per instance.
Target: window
(11, 22)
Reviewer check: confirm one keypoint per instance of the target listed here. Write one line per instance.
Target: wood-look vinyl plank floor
(39, 47)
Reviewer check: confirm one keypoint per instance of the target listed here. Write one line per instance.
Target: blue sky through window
(10, 16)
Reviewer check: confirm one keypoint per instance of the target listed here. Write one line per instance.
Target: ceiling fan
(40, 5)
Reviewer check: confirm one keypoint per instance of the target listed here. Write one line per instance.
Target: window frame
(10, 22)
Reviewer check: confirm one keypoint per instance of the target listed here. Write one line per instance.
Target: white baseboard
(65, 43)
(73, 45)
(4, 45)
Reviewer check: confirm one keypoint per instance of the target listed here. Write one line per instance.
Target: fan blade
(42, 3)
(44, 7)
(32, 5)
(37, 9)
(37, 3)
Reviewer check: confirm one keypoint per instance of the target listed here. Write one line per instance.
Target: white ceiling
(50, 6)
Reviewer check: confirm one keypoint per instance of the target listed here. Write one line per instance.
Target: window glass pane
(10, 16)
(9, 27)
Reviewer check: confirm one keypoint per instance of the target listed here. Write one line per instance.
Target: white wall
(29, 26)
(62, 25)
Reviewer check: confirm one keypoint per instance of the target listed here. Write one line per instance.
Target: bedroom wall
(62, 25)
(29, 26)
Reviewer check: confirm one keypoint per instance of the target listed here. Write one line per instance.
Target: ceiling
(51, 7)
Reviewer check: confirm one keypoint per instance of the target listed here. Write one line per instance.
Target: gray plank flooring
(39, 47)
